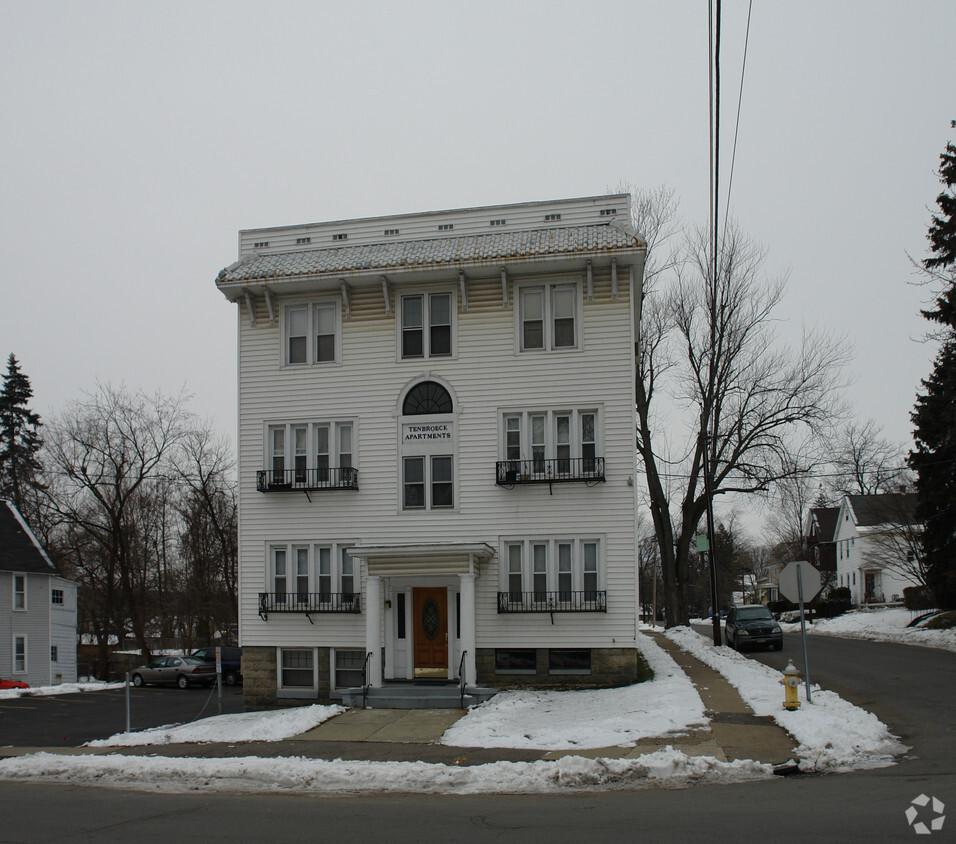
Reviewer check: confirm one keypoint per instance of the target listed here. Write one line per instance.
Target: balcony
(307, 480)
(308, 603)
(586, 470)
(552, 602)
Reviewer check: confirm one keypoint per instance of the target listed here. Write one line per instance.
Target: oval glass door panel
(430, 619)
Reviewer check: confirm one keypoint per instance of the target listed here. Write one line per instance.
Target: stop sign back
(808, 575)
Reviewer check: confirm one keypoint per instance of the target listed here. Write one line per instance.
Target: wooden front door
(430, 625)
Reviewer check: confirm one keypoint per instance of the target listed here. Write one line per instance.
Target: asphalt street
(71, 720)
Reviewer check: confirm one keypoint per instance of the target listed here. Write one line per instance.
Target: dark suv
(752, 625)
(231, 662)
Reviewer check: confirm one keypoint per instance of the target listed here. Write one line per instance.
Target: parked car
(752, 625)
(182, 671)
(231, 662)
(13, 684)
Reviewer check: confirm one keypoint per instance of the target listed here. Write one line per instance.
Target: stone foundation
(609, 667)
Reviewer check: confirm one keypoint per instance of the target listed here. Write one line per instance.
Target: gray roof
(826, 518)
(886, 508)
(19, 549)
(434, 253)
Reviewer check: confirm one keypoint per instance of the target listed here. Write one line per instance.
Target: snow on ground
(834, 735)
(62, 689)
(244, 726)
(882, 625)
(295, 774)
(571, 720)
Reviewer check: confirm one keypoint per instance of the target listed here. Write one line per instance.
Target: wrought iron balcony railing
(585, 601)
(588, 470)
(308, 603)
(309, 480)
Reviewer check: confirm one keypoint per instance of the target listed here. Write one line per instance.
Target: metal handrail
(281, 480)
(588, 600)
(461, 677)
(308, 602)
(550, 471)
(366, 680)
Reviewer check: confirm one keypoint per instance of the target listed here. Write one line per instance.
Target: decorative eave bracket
(387, 294)
(346, 298)
(271, 305)
(504, 288)
(590, 282)
(250, 305)
(463, 287)
(614, 278)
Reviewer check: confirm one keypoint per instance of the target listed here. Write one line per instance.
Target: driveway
(72, 719)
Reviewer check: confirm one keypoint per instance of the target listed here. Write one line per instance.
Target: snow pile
(62, 689)
(834, 735)
(586, 718)
(295, 774)
(882, 625)
(245, 726)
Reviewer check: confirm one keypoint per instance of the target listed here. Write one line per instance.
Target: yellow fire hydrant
(790, 681)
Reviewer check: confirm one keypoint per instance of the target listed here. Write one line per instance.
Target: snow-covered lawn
(834, 735)
(882, 625)
(587, 718)
(62, 689)
(244, 726)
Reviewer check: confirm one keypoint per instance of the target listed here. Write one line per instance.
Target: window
(515, 661)
(550, 218)
(548, 317)
(390, 232)
(427, 325)
(19, 591)
(19, 654)
(56, 596)
(569, 437)
(445, 227)
(428, 482)
(349, 668)
(562, 568)
(311, 334)
(427, 397)
(322, 454)
(340, 236)
(577, 661)
(313, 574)
(53, 653)
(297, 668)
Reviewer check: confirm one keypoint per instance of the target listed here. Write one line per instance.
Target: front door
(430, 625)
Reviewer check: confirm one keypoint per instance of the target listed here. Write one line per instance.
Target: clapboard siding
(487, 374)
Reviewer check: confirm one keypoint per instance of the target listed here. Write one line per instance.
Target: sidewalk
(413, 735)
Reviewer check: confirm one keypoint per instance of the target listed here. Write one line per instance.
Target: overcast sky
(138, 138)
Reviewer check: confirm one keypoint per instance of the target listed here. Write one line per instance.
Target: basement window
(516, 661)
(577, 661)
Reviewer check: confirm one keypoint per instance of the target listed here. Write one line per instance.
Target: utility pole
(708, 493)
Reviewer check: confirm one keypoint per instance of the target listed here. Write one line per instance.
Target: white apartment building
(436, 449)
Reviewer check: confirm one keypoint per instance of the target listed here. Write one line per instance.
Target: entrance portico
(420, 609)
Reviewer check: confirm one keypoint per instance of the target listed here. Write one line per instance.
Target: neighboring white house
(436, 448)
(876, 541)
(37, 608)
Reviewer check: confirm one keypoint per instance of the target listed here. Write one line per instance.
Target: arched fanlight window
(427, 397)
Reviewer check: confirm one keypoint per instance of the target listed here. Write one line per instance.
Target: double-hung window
(19, 591)
(426, 325)
(311, 455)
(19, 654)
(321, 576)
(548, 315)
(556, 573)
(428, 482)
(310, 334)
(560, 443)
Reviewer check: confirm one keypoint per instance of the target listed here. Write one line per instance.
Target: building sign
(435, 431)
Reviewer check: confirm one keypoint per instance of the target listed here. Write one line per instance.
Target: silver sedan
(182, 671)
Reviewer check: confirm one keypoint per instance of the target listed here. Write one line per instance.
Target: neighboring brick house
(37, 608)
(877, 546)
(436, 448)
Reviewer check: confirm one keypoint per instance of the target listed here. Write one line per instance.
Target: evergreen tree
(19, 437)
(934, 417)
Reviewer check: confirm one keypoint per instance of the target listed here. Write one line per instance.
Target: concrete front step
(416, 696)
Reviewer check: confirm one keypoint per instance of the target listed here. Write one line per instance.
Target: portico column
(373, 628)
(468, 641)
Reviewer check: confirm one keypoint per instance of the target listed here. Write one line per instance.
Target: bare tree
(709, 344)
(105, 451)
(866, 462)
